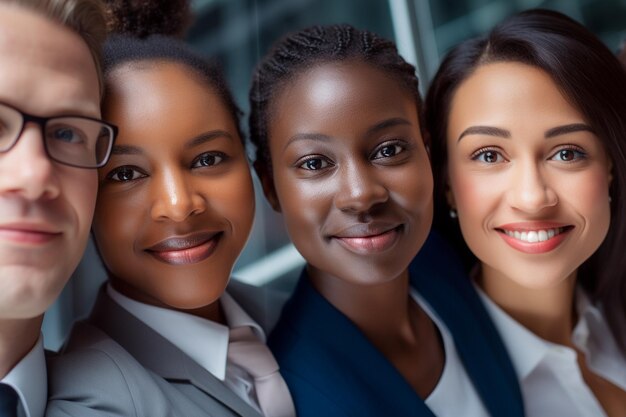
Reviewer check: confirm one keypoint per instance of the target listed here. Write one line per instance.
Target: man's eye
(66, 134)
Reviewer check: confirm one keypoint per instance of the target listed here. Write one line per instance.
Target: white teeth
(542, 235)
(534, 236)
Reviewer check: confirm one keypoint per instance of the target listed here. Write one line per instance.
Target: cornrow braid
(156, 49)
(299, 51)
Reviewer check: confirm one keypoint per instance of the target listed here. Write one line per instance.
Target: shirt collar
(204, 341)
(591, 335)
(525, 348)
(28, 378)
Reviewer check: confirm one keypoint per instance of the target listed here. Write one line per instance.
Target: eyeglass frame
(42, 121)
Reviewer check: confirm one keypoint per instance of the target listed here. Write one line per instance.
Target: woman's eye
(568, 155)
(314, 164)
(388, 151)
(207, 160)
(488, 156)
(123, 174)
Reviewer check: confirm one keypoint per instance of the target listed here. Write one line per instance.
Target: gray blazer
(114, 365)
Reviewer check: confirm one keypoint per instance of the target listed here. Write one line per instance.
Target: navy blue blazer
(333, 370)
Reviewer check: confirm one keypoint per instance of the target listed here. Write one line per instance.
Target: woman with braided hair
(336, 118)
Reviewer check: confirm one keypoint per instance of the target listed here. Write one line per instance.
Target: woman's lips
(370, 243)
(534, 238)
(185, 250)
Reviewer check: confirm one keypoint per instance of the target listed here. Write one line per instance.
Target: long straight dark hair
(594, 82)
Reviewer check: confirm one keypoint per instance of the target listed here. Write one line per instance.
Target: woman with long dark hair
(528, 129)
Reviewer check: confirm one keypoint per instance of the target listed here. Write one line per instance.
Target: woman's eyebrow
(126, 150)
(565, 129)
(207, 137)
(395, 121)
(485, 130)
(307, 136)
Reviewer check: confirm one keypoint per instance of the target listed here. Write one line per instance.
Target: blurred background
(238, 32)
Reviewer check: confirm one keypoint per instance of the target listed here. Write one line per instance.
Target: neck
(17, 338)
(547, 312)
(211, 311)
(380, 311)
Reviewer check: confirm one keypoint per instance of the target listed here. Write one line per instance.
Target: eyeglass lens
(70, 140)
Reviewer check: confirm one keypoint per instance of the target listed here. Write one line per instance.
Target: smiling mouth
(184, 251)
(537, 240)
(534, 236)
(370, 244)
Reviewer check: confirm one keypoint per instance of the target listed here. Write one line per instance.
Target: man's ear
(267, 182)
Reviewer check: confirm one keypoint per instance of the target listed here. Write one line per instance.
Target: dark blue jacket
(333, 370)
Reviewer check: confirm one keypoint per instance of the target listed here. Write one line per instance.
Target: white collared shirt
(209, 344)
(454, 394)
(29, 379)
(550, 378)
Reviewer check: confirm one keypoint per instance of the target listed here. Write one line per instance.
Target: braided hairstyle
(299, 51)
(143, 36)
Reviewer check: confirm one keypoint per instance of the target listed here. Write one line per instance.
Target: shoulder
(28, 378)
(263, 304)
(310, 401)
(95, 373)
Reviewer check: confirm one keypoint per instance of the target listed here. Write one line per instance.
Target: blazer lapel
(162, 357)
(365, 370)
(436, 275)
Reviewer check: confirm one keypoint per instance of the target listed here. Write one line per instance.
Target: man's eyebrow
(485, 130)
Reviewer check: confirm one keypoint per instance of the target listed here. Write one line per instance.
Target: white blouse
(209, 344)
(550, 378)
(454, 395)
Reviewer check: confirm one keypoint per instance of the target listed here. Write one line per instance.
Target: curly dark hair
(142, 18)
(299, 51)
(143, 33)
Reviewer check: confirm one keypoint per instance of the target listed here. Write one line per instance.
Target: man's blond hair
(84, 17)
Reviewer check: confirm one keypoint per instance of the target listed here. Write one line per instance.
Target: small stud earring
(610, 199)
(453, 213)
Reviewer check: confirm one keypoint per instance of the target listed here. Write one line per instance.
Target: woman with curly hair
(174, 210)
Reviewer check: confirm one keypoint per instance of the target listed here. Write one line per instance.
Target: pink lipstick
(534, 237)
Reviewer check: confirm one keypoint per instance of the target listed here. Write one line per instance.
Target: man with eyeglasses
(51, 139)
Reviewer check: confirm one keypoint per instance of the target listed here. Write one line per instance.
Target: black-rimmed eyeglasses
(77, 141)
